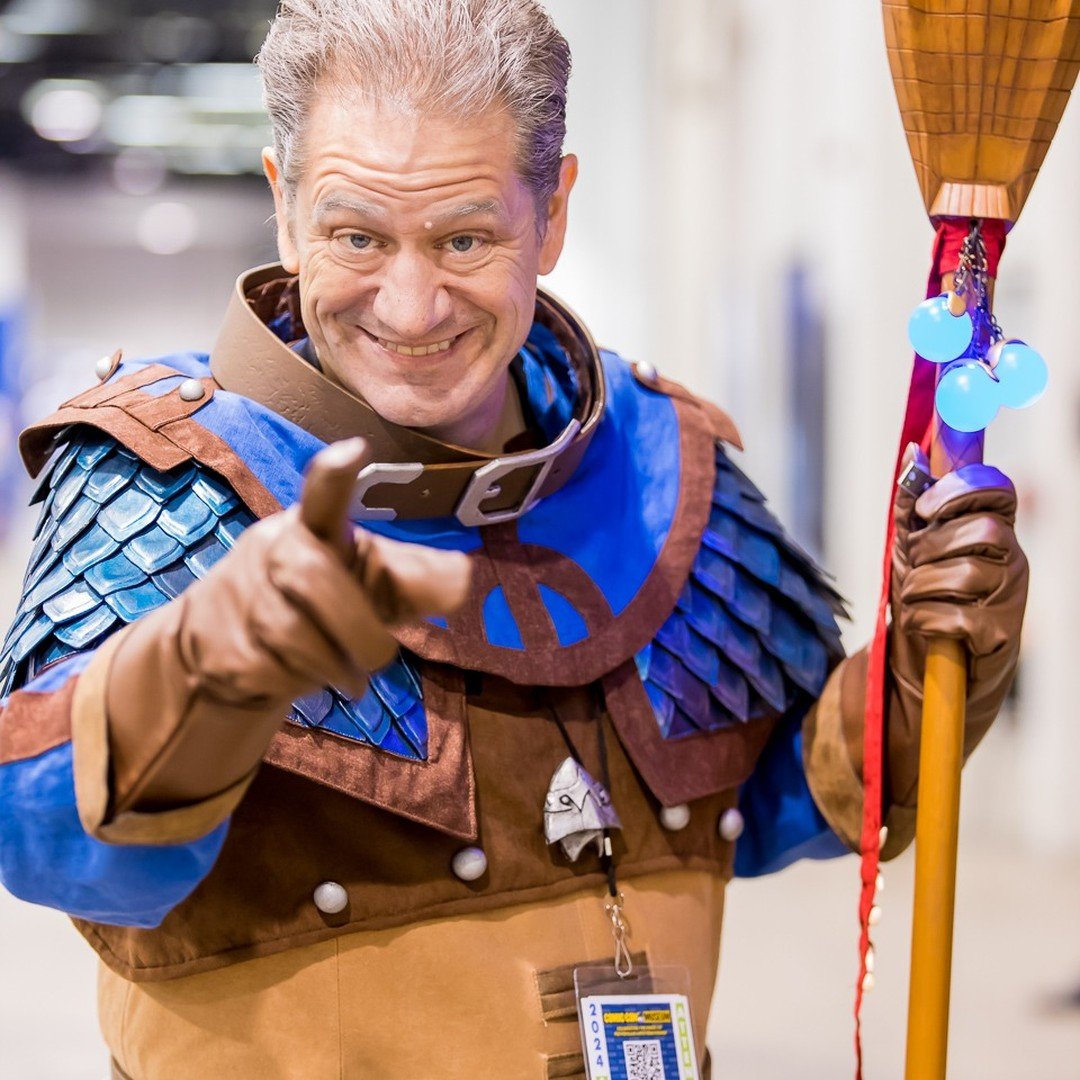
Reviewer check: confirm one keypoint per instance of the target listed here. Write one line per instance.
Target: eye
(465, 245)
(359, 242)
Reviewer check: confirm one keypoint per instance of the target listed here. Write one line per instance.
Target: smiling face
(418, 249)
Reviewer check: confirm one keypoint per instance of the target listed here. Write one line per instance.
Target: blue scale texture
(117, 539)
(754, 633)
(89, 549)
(43, 547)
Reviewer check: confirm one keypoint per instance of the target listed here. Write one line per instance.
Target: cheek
(508, 292)
(326, 289)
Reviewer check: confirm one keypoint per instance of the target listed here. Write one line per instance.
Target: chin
(414, 410)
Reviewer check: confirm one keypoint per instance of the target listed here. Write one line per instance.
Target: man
(352, 801)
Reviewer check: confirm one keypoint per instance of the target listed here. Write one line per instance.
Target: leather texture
(387, 826)
(761, 586)
(958, 572)
(90, 574)
(300, 602)
(252, 358)
(549, 604)
(288, 835)
(491, 964)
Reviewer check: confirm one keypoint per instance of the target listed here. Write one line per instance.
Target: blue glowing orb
(936, 334)
(967, 397)
(1022, 375)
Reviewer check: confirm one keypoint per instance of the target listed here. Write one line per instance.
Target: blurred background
(747, 218)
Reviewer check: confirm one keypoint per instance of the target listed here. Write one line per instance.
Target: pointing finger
(327, 491)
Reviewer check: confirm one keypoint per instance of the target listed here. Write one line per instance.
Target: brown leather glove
(958, 572)
(197, 688)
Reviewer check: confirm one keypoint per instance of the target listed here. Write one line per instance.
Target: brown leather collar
(412, 474)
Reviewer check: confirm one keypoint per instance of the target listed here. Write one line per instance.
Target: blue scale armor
(754, 633)
(117, 538)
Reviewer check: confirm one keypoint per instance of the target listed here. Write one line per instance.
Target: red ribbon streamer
(917, 428)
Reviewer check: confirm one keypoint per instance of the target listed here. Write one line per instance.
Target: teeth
(418, 350)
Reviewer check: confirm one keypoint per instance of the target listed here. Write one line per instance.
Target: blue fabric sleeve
(47, 858)
(783, 823)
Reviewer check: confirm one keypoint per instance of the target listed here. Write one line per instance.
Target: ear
(287, 253)
(555, 233)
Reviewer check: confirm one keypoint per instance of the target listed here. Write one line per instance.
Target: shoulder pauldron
(118, 538)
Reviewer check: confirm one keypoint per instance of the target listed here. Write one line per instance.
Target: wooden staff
(981, 86)
(937, 823)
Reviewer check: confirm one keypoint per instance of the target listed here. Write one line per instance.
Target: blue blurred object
(1021, 374)
(12, 351)
(967, 396)
(936, 334)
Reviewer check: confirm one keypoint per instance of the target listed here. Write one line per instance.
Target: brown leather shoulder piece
(159, 429)
(522, 569)
(723, 426)
(106, 408)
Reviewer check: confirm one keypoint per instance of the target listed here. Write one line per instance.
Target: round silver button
(192, 390)
(675, 818)
(331, 898)
(103, 368)
(646, 372)
(470, 863)
(731, 824)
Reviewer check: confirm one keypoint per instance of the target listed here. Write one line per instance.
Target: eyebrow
(486, 206)
(335, 203)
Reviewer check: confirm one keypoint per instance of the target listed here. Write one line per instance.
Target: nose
(412, 301)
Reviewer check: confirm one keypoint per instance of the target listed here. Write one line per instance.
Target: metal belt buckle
(371, 476)
(484, 484)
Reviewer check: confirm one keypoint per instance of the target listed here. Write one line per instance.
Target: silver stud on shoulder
(192, 390)
(646, 372)
(104, 368)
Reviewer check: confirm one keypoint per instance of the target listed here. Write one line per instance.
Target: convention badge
(636, 1026)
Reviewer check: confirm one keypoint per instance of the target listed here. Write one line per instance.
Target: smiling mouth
(416, 350)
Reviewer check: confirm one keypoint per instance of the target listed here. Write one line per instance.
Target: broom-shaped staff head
(981, 86)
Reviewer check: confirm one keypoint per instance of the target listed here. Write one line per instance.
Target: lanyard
(613, 907)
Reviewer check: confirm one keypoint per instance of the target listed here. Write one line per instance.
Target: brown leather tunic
(324, 808)
(290, 833)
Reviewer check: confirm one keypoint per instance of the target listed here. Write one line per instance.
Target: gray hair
(449, 57)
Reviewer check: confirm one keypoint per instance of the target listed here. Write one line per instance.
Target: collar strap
(411, 475)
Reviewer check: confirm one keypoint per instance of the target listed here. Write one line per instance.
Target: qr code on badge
(644, 1060)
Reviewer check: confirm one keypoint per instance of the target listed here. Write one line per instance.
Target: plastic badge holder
(639, 1027)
